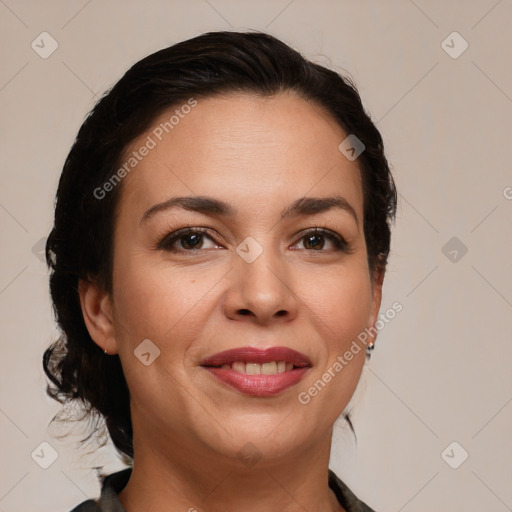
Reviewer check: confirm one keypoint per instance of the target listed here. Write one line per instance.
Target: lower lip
(259, 385)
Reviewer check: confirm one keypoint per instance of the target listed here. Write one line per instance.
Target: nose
(261, 292)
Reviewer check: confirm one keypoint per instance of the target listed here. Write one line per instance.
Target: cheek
(340, 310)
(340, 301)
(166, 306)
(160, 302)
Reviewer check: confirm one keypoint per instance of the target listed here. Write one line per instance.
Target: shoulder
(345, 496)
(115, 482)
(111, 485)
(87, 506)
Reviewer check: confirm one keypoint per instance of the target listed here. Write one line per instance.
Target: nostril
(281, 312)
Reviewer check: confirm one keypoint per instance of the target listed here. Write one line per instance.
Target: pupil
(312, 237)
(194, 237)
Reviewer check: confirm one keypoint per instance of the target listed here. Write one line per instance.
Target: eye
(187, 240)
(314, 240)
(192, 239)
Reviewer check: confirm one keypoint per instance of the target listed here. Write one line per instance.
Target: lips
(258, 372)
(260, 356)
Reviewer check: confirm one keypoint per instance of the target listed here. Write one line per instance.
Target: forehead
(243, 148)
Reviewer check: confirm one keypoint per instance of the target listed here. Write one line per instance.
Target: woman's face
(256, 278)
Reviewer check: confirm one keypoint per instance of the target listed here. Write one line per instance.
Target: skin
(259, 154)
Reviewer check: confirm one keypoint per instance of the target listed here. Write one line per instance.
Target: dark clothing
(115, 482)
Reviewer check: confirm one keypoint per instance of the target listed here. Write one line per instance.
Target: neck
(191, 479)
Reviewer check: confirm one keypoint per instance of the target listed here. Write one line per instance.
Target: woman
(220, 241)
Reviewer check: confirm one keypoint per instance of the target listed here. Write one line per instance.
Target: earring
(369, 349)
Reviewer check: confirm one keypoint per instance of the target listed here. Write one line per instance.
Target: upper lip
(257, 355)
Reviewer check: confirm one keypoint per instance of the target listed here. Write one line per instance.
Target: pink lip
(258, 385)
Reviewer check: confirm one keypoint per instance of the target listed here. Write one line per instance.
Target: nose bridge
(260, 280)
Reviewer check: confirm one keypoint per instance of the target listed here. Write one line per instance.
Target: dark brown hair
(80, 243)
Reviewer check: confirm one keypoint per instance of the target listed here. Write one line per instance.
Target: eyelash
(168, 241)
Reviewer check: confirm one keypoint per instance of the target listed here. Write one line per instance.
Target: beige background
(441, 369)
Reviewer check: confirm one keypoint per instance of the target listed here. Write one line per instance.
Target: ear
(97, 312)
(377, 280)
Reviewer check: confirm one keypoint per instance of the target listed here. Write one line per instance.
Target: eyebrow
(209, 205)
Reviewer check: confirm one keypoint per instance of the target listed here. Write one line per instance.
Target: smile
(258, 372)
(271, 368)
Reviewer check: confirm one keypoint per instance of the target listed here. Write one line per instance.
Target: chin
(260, 435)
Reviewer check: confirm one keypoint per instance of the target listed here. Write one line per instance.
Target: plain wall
(441, 369)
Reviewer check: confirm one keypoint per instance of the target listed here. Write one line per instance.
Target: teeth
(253, 368)
(270, 368)
(238, 367)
